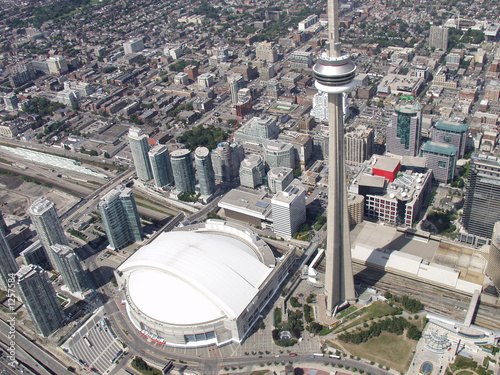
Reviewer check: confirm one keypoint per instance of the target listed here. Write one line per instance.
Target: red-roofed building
(387, 167)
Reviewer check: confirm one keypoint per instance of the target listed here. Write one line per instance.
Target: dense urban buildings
(482, 197)
(120, 218)
(47, 225)
(236, 79)
(39, 298)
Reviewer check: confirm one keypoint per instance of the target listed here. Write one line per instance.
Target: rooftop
(450, 126)
(252, 203)
(439, 148)
(386, 164)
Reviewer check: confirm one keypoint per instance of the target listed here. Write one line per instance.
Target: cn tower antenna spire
(333, 28)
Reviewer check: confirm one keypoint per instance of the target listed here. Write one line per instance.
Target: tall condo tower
(205, 171)
(334, 73)
(140, 147)
(8, 265)
(161, 166)
(182, 167)
(120, 218)
(48, 227)
(39, 298)
(70, 268)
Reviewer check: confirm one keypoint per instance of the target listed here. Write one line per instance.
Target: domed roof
(193, 277)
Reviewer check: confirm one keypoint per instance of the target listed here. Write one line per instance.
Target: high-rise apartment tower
(205, 171)
(182, 167)
(39, 298)
(161, 166)
(8, 265)
(140, 147)
(120, 218)
(482, 196)
(47, 225)
(68, 264)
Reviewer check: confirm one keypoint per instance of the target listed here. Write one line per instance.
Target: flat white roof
(190, 277)
(413, 266)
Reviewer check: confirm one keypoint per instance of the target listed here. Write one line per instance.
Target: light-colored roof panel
(222, 269)
(443, 275)
(404, 262)
(180, 294)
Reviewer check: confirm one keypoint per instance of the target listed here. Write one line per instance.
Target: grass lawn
(387, 349)
(377, 309)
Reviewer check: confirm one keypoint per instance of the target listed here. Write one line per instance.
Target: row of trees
(395, 325)
(411, 305)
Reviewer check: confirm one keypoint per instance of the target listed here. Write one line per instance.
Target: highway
(42, 357)
(90, 200)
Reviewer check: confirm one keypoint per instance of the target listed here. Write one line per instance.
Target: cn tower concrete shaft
(339, 282)
(334, 73)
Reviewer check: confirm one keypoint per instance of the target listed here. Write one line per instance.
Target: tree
(276, 334)
(413, 333)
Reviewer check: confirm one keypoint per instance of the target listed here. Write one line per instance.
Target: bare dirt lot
(16, 195)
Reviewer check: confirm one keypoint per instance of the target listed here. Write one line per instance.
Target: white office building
(289, 209)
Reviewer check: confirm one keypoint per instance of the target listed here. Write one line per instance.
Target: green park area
(381, 334)
(388, 349)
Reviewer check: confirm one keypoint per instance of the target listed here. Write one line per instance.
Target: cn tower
(334, 72)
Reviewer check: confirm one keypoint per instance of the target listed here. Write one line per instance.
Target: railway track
(437, 300)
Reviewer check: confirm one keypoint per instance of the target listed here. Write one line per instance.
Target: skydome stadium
(201, 284)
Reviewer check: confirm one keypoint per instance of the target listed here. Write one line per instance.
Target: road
(42, 357)
(90, 200)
